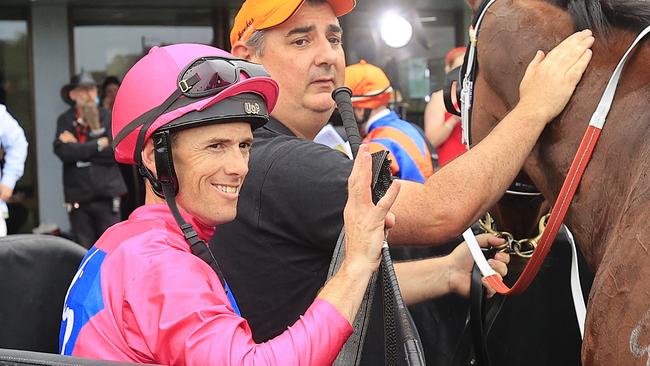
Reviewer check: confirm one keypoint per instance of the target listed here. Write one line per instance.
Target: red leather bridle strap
(558, 213)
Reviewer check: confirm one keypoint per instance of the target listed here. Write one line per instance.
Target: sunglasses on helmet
(203, 77)
(209, 75)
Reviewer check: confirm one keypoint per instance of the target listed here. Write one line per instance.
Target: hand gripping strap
(350, 354)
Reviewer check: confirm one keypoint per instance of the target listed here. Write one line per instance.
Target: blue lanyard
(231, 297)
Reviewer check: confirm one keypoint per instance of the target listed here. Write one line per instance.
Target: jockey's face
(211, 163)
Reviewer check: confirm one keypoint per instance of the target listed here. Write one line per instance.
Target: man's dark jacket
(88, 174)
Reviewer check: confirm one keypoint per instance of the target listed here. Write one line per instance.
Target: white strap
(576, 288)
(467, 91)
(517, 193)
(600, 115)
(477, 254)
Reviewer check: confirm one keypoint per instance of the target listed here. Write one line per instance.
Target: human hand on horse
(461, 263)
(550, 79)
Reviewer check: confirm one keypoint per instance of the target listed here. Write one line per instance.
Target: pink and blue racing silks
(141, 296)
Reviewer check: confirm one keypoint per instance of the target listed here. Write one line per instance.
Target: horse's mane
(603, 15)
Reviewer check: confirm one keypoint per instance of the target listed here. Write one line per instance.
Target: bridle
(468, 72)
(574, 175)
(560, 208)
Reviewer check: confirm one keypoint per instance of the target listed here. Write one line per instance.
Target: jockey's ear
(148, 159)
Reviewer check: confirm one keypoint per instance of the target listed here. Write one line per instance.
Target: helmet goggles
(209, 75)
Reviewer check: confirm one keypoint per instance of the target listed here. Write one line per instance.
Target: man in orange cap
(290, 211)
(382, 128)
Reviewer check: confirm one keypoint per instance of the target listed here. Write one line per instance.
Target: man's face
(305, 56)
(84, 94)
(211, 163)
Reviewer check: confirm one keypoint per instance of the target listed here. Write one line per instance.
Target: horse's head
(511, 32)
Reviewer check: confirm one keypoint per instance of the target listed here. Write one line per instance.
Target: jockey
(382, 128)
(150, 290)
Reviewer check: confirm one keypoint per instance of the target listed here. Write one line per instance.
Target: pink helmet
(183, 85)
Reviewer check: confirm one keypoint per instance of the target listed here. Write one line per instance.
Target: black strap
(199, 247)
(350, 354)
(452, 77)
(477, 296)
(472, 348)
(146, 118)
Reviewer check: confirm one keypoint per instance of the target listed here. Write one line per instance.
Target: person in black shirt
(290, 212)
(92, 183)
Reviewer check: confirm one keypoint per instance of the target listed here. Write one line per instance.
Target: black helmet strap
(199, 247)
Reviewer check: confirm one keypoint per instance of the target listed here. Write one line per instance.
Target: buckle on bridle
(184, 85)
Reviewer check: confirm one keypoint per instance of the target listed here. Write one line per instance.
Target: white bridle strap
(466, 96)
(600, 115)
(576, 287)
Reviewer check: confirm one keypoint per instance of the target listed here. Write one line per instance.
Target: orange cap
(261, 14)
(369, 84)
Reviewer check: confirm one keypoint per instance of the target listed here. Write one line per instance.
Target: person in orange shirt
(382, 128)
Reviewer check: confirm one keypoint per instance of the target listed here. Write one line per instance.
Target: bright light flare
(395, 30)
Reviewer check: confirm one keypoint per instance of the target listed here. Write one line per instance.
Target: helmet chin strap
(199, 247)
(156, 187)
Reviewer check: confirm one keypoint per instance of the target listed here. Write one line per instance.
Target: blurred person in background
(382, 128)
(442, 128)
(92, 183)
(134, 196)
(13, 153)
(108, 92)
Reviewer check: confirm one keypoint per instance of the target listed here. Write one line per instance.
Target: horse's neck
(616, 181)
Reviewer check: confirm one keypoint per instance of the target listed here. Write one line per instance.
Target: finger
(359, 181)
(489, 239)
(498, 267)
(576, 53)
(534, 63)
(494, 241)
(574, 73)
(571, 49)
(363, 148)
(502, 257)
(571, 41)
(386, 202)
(389, 222)
(539, 57)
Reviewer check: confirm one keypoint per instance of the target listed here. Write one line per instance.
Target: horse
(607, 215)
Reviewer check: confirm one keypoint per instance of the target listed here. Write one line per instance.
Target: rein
(571, 183)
